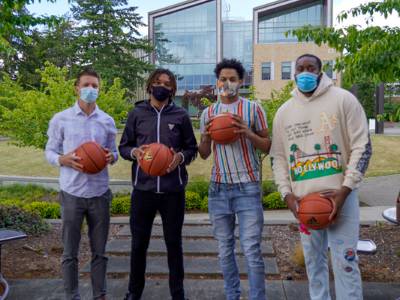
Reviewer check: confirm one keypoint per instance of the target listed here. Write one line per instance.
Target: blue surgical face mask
(89, 94)
(307, 82)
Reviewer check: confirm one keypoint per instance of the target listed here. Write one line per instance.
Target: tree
(199, 99)
(52, 44)
(16, 23)
(371, 53)
(108, 39)
(25, 114)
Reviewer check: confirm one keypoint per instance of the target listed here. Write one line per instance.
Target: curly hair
(230, 64)
(157, 73)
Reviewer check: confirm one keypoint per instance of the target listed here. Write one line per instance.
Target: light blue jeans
(342, 238)
(225, 202)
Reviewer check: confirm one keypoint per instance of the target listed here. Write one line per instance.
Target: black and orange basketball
(156, 159)
(314, 211)
(222, 130)
(93, 157)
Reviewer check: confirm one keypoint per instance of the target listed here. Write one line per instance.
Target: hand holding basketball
(109, 156)
(292, 202)
(139, 152)
(242, 126)
(338, 198)
(176, 160)
(71, 160)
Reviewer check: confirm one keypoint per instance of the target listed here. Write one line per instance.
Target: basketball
(93, 157)
(314, 211)
(156, 159)
(222, 131)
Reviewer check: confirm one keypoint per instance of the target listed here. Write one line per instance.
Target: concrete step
(196, 266)
(188, 231)
(190, 247)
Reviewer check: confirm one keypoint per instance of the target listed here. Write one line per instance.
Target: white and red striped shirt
(237, 162)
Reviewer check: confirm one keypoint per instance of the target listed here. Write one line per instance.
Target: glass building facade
(186, 43)
(238, 43)
(272, 28)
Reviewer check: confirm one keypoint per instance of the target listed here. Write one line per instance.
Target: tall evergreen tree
(108, 39)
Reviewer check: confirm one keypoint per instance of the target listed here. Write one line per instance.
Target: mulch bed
(381, 267)
(40, 257)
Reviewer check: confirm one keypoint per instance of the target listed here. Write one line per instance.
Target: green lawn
(31, 162)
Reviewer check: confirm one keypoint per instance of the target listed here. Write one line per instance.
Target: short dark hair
(319, 62)
(230, 64)
(86, 72)
(154, 76)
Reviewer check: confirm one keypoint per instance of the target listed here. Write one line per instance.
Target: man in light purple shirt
(83, 194)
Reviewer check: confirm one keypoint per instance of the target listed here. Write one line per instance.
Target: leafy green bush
(26, 193)
(204, 204)
(193, 200)
(26, 114)
(196, 123)
(121, 205)
(16, 218)
(276, 100)
(11, 202)
(199, 187)
(268, 187)
(273, 201)
(47, 210)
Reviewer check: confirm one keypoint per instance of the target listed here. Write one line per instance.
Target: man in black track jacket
(158, 120)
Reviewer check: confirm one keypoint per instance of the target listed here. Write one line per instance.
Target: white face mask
(229, 89)
(89, 94)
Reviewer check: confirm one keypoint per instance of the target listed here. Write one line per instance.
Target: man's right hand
(71, 160)
(292, 202)
(139, 152)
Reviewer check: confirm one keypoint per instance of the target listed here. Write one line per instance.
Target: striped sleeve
(260, 118)
(203, 120)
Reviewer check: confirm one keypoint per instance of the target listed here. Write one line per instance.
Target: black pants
(171, 207)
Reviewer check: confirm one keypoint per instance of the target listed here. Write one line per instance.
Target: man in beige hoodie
(321, 144)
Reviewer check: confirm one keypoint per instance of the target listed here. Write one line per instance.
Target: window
(286, 68)
(266, 71)
(328, 68)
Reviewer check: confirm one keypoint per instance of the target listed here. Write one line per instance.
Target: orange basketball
(156, 159)
(314, 211)
(93, 157)
(222, 130)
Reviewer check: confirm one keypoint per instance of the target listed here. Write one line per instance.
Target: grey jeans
(97, 212)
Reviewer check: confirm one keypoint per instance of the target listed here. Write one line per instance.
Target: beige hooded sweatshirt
(320, 142)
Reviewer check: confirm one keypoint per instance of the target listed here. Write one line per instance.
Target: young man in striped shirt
(234, 187)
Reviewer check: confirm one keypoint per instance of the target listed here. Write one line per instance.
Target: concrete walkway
(52, 289)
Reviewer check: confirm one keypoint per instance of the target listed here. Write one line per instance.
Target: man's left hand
(175, 161)
(242, 126)
(338, 198)
(109, 156)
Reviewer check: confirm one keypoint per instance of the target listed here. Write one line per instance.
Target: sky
(231, 8)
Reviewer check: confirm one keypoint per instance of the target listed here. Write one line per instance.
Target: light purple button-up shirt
(69, 129)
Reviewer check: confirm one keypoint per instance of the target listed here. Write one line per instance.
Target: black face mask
(160, 93)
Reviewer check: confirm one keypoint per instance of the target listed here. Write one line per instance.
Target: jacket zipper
(179, 172)
(137, 174)
(158, 139)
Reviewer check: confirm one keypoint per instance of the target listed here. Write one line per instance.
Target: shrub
(47, 210)
(204, 204)
(120, 205)
(196, 123)
(26, 193)
(268, 187)
(273, 201)
(16, 218)
(11, 202)
(199, 187)
(193, 200)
